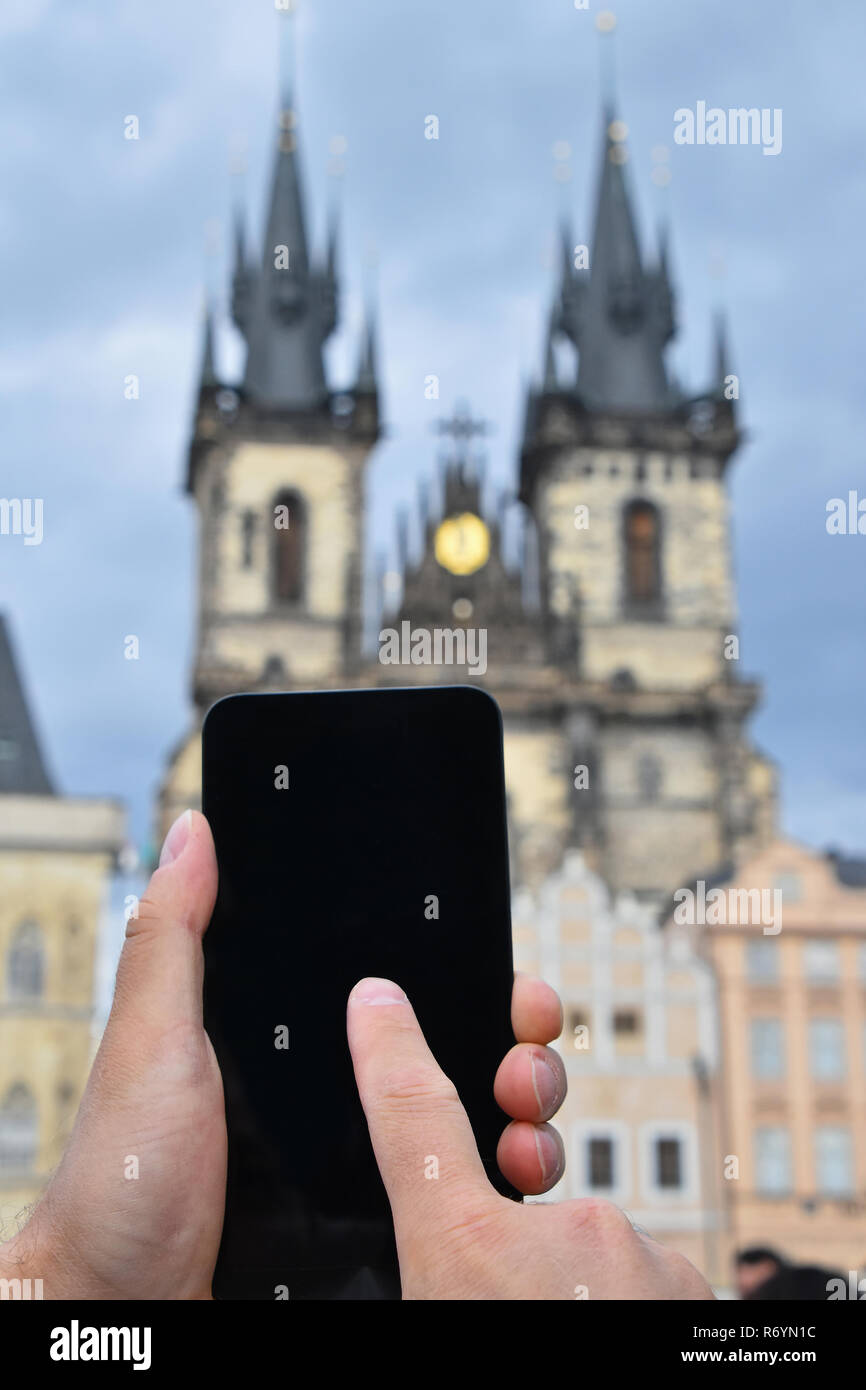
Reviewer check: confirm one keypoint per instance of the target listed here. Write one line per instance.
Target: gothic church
(625, 718)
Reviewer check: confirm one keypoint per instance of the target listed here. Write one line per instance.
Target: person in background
(755, 1266)
(763, 1275)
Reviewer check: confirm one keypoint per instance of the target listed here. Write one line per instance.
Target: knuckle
(596, 1216)
(419, 1086)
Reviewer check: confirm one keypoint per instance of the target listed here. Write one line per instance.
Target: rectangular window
(791, 888)
(821, 962)
(767, 1048)
(833, 1162)
(772, 1160)
(601, 1167)
(669, 1167)
(826, 1049)
(626, 1021)
(762, 962)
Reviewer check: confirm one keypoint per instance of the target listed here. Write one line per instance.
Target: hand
(155, 1096)
(457, 1238)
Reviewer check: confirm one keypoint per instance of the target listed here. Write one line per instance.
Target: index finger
(421, 1134)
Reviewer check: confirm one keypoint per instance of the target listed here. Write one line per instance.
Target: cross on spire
(462, 428)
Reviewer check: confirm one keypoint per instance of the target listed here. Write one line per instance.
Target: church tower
(624, 474)
(276, 471)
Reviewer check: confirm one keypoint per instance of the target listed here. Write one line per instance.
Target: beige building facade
(640, 1047)
(791, 978)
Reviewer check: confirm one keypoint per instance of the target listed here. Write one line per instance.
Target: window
(649, 777)
(833, 1166)
(768, 1053)
(668, 1163)
(25, 963)
(821, 962)
(642, 554)
(827, 1048)
(18, 1130)
(762, 962)
(248, 531)
(791, 888)
(626, 1022)
(600, 1164)
(289, 518)
(772, 1161)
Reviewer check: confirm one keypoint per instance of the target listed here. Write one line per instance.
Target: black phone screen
(357, 833)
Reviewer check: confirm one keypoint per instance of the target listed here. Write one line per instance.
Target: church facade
(625, 717)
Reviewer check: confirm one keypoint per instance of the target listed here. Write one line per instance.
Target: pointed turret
(550, 383)
(289, 318)
(367, 384)
(241, 278)
(208, 380)
(365, 417)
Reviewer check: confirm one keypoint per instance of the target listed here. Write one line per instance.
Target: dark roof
(850, 872)
(22, 769)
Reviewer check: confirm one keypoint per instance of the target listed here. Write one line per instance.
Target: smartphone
(357, 833)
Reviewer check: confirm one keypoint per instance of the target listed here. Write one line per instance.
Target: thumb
(421, 1134)
(160, 972)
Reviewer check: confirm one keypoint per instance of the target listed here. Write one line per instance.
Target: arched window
(18, 1129)
(642, 556)
(25, 963)
(289, 520)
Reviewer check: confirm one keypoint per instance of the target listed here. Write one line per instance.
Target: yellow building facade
(56, 854)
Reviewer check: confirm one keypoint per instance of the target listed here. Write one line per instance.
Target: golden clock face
(462, 543)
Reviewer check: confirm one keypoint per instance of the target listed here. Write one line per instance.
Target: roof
(22, 769)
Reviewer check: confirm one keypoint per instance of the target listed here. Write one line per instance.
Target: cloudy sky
(108, 246)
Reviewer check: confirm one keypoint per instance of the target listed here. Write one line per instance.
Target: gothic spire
(289, 316)
(618, 318)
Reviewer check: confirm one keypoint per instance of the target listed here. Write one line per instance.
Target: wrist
(29, 1262)
(20, 1276)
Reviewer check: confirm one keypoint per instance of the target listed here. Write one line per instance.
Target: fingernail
(545, 1083)
(549, 1153)
(176, 839)
(373, 991)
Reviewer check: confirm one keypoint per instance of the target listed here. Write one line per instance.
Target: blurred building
(56, 853)
(625, 718)
(640, 1046)
(791, 975)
